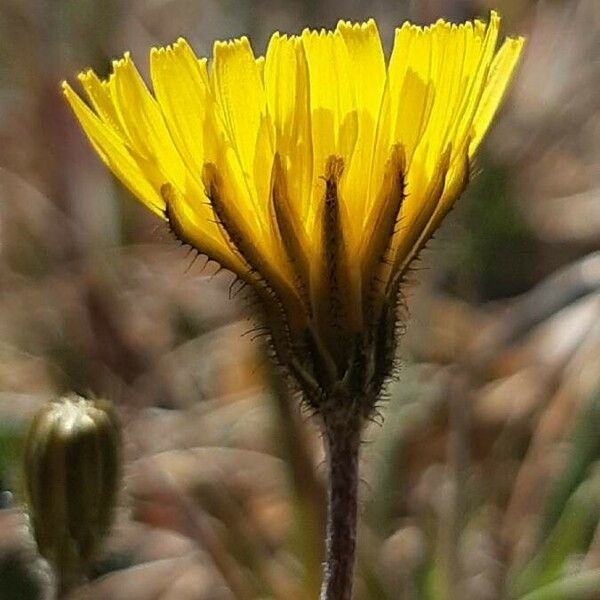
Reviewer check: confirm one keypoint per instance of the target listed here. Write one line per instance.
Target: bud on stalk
(71, 475)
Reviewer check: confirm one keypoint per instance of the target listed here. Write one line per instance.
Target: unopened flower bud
(71, 473)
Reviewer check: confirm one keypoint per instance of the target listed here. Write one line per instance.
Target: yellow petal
(142, 120)
(466, 113)
(500, 75)
(183, 92)
(242, 153)
(114, 153)
(413, 95)
(367, 77)
(180, 83)
(239, 91)
(287, 90)
(447, 50)
(98, 93)
(332, 102)
(407, 100)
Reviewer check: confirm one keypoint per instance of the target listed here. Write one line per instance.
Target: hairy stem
(342, 441)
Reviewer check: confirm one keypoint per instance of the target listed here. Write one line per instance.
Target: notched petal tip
(122, 63)
(158, 51)
(223, 48)
(357, 26)
(86, 75)
(314, 34)
(71, 96)
(181, 42)
(516, 42)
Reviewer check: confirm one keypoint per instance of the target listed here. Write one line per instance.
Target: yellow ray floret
(318, 171)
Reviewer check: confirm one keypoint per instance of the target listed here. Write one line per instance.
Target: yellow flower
(316, 174)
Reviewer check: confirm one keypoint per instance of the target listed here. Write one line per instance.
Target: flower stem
(342, 442)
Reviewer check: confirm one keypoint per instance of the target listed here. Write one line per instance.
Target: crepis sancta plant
(316, 174)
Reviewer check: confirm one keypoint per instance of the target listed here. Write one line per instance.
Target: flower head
(316, 174)
(72, 475)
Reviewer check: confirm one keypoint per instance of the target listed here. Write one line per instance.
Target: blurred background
(481, 477)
